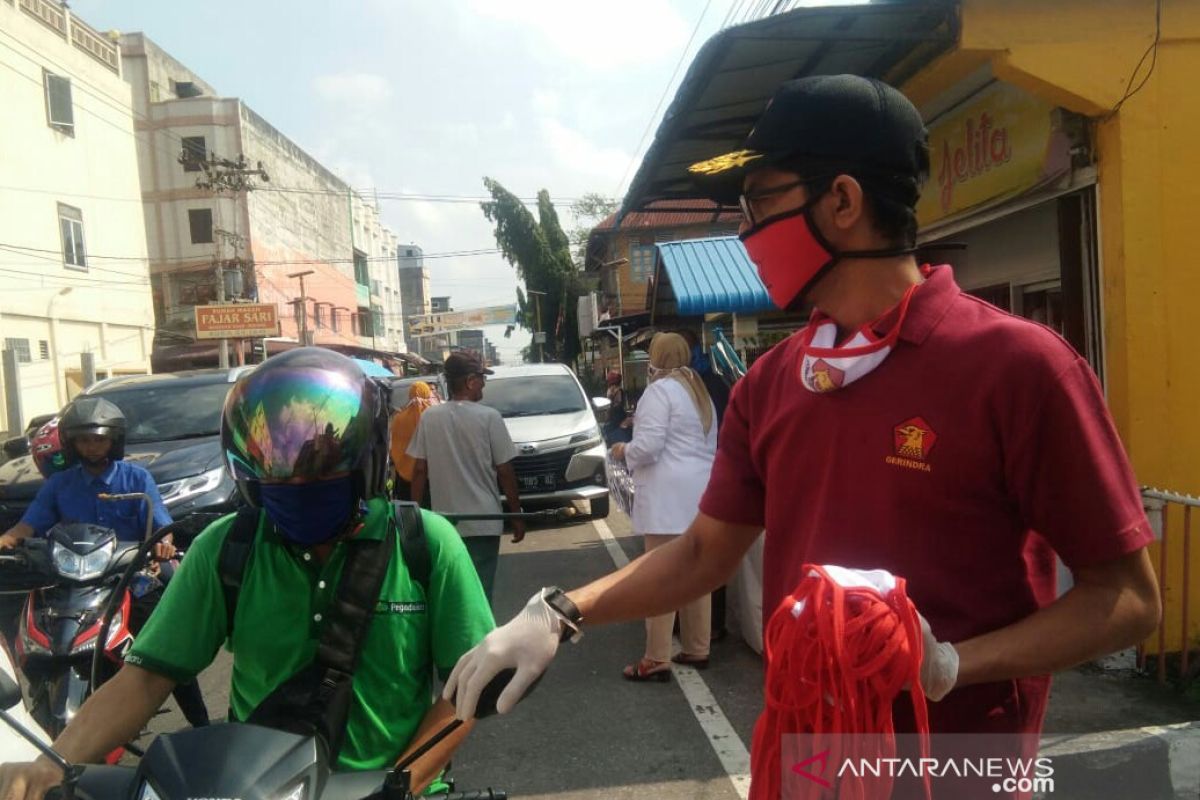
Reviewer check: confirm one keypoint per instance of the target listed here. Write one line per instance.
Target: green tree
(589, 210)
(541, 252)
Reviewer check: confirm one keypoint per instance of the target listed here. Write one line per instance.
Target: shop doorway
(1037, 261)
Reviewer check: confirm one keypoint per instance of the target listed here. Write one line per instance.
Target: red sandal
(640, 673)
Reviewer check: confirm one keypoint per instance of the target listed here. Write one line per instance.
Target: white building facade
(73, 255)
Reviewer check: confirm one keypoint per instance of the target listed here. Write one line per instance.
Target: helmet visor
(296, 422)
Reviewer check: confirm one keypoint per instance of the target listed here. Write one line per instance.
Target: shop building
(1063, 184)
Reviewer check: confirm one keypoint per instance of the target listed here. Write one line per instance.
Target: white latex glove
(527, 644)
(939, 667)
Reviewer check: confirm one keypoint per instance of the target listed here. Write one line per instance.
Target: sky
(430, 96)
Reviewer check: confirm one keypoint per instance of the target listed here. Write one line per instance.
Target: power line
(732, 13)
(374, 194)
(1152, 52)
(662, 98)
(206, 260)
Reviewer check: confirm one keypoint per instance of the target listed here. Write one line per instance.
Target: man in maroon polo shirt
(908, 427)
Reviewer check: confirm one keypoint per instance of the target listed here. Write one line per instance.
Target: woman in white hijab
(670, 458)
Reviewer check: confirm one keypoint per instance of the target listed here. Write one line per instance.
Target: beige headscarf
(670, 356)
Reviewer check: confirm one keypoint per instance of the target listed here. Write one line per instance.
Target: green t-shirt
(277, 626)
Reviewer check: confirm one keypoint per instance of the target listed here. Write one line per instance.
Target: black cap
(462, 365)
(852, 124)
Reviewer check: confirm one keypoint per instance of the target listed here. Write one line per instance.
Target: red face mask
(792, 255)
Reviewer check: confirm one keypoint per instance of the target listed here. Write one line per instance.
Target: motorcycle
(62, 644)
(239, 760)
(60, 623)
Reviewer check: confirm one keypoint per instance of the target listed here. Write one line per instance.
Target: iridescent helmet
(46, 449)
(308, 414)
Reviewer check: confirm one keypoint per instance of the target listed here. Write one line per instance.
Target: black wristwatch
(557, 599)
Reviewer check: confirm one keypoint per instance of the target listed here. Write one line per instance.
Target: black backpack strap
(413, 544)
(353, 605)
(235, 552)
(316, 700)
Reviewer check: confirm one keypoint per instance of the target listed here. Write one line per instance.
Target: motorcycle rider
(91, 435)
(46, 450)
(305, 435)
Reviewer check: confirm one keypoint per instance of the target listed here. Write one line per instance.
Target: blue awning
(713, 275)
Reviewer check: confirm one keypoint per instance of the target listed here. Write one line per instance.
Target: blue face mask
(308, 514)
(699, 359)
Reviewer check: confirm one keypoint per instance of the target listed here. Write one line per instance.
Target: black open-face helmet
(308, 414)
(92, 415)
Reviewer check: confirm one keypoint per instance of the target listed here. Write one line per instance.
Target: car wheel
(600, 507)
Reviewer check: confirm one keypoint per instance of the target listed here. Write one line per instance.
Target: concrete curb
(1152, 763)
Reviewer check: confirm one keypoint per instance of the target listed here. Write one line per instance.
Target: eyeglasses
(745, 199)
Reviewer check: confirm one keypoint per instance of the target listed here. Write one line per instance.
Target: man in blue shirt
(93, 434)
(92, 431)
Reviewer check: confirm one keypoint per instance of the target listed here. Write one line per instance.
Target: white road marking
(610, 543)
(726, 743)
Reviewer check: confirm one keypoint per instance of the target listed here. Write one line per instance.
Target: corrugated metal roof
(737, 71)
(673, 214)
(713, 275)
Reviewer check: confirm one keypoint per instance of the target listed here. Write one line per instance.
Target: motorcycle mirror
(486, 706)
(398, 779)
(10, 692)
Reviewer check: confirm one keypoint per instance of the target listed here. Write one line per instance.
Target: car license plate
(536, 482)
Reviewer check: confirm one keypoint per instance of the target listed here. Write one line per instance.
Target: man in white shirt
(461, 448)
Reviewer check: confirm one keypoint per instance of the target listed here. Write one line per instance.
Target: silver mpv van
(560, 452)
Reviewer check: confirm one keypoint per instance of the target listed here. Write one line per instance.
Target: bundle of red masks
(839, 650)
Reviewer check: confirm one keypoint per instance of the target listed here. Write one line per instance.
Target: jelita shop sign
(1000, 143)
(237, 321)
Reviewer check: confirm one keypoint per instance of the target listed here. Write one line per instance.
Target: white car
(560, 452)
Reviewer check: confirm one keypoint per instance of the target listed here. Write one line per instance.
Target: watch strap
(567, 611)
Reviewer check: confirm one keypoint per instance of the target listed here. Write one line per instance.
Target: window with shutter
(200, 220)
(641, 261)
(20, 347)
(70, 223)
(60, 114)
(195, 152)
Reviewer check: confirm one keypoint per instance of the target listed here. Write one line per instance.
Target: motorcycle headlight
(72, 565)
(147, 792)
(176, 492)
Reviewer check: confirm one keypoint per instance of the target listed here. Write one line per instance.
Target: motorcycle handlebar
(550, 513)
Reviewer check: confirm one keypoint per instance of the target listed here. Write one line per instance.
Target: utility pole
(224, 175)
(223, 350)
(539, 336)
(302, 308)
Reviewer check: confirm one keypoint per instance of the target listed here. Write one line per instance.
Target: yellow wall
(1080, 54)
